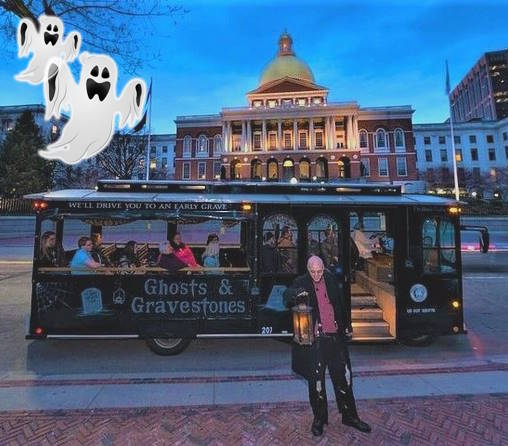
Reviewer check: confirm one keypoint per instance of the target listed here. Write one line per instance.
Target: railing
(15, 206)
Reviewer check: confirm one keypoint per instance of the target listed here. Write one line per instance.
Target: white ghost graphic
(93, 104)
(45, 44)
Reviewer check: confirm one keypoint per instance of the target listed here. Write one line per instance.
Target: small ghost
(45, 44)
(93, 104)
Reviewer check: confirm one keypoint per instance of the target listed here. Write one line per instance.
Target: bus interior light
(246, 207)
(455, 210)
(455, 304)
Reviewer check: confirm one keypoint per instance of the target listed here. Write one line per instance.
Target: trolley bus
(397, 257)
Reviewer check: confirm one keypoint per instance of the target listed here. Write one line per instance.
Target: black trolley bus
(397, 256)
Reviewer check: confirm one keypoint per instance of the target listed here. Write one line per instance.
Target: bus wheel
(168, 346)
(419, 341)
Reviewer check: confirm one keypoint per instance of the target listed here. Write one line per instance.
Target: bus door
(430, 286)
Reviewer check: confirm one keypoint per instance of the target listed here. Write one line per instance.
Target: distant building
(483, 92)
(162, 157)
(289, 129)
(9, 114)
(481, 153)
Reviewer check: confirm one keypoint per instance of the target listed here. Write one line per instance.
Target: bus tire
(422, 340)
(168, 346)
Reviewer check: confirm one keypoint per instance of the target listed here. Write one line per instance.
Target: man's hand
(301, 296)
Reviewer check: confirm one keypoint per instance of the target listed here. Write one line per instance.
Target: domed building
(289, 129)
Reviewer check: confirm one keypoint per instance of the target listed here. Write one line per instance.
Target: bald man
(332, 325)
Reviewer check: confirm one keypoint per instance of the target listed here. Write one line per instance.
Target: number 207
(266, 330)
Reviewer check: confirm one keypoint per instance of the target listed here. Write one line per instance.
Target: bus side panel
(148, 305)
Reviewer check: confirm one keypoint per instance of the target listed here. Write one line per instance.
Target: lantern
(303, 328)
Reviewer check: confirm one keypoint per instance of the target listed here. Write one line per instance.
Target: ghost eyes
(95, 71)
(105, 73)
(49, 28)
(55, 28)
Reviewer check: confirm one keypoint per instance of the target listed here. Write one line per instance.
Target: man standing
(332, 325)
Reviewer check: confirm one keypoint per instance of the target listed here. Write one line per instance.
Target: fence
(15, 206)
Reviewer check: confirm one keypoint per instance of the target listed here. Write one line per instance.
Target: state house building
(290, 130)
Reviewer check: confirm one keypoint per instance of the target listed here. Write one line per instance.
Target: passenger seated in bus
(167, 258)
(82, 262)
(210, 255)
(128, 257)
(182, 251)
(314, 248)
(364, 244)
(330, 249)
(287, 251)
(269, 254)
(51, 253)
(98, 250)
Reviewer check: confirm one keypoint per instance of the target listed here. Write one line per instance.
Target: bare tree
(120, 28)
(123, 155)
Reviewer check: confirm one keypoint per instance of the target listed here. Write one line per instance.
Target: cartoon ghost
(93, 104)
(45, 44)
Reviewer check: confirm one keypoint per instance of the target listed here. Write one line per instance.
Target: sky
(378, 53)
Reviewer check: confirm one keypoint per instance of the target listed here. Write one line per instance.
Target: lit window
(287, 140)
(256, 138)
(272, 103)
(203, 144)
(302, 140)
(302, 102)
(153, 163)
(201, 171)
(317, 101)
(458, 155)
(272, 140)
(319, 139)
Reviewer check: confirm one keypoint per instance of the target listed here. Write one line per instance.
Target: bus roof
(344, 193)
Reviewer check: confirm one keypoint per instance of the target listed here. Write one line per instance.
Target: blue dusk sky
(379, 53)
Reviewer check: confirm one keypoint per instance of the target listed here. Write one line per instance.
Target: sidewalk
(463, 403)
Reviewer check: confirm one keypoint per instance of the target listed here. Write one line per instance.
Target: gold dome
(286, 64)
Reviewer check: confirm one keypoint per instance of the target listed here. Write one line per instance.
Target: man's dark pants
(333, 353)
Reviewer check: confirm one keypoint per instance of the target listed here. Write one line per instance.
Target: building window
(381, 139)
(287, 102)
(187, 145)
(272, 168)
(201, 171)
(490, 139)
(186, 171)
(236, 170)
(428, 155)
(505, 136)
(217, 144)
(364, 143)
(216, 169)
(321, 168)
(492, 154)
(257, 103)
(202, 145)
(302, 102)
(153, 150)
(442, 140)
(365, 167)
(383, 167)
(401, 167)
(304, 168)
(288, 169)
(472, 139)
(272, 103)
(319, 139)
(302, 139)
(237, 143)
(317, 101)
(288, 143)
(456, 138)
(426, 140)
(272, 140)
(458, 155)
(256, 140)
(444, 155)
(399, 139)
(256, 169)
(474, 154)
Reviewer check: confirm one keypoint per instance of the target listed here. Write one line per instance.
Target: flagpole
(454, 152)
(149, 133)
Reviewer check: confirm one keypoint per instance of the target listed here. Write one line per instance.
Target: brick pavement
(451, 420)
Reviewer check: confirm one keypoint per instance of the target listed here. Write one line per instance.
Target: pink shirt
(186, 256)
(326, 313)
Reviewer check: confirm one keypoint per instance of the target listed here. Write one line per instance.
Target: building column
(279, 134)
(249, 137)
(349, 132)
(230, 136)
(295, 135)
(356, 134)
(264, 145)
(244, 137)
(224, 137)
(311, 134)
(328, 132)
(334, 132)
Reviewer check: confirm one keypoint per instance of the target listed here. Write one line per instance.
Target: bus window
(280, 237)
(51, 253)
(323, 239)
(438, 242)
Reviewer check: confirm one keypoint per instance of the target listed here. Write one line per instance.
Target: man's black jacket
(335, 293)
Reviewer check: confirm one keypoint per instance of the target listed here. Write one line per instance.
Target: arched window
(187, 144)
(304, 168)
(217, 144)
(323, 239)
(321, 168)
(344, 167)
(364, 141)
(236, 170)
(399, 139)
(288, 169)
(256, 171)
(280, 239)
(381, 142)
(272, 169)
(202, 144)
